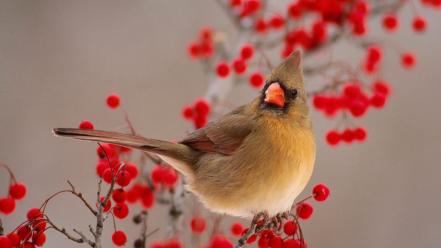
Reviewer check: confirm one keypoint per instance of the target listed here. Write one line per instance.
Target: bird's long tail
(178, 155)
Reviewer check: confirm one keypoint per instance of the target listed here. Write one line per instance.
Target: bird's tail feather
(178, 152)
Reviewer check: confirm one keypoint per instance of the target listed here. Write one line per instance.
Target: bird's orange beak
(275, 95)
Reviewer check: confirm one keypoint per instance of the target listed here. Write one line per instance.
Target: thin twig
(63, 231)
(80, 195)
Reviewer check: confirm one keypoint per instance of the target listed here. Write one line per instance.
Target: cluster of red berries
(310, 38)
(110, 168)
(333, 137)
(17, 191)
(164, 176)
(240, 66)
(29, 234)
(203, 47)
(353, 99)
(197, 113)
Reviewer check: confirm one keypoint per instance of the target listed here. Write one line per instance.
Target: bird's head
(284, 89)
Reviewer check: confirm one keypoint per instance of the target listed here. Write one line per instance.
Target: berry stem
(11, 174)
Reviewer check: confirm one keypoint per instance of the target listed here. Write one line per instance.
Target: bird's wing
(223, 136)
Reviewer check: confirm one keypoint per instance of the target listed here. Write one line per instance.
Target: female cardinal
(257, 158)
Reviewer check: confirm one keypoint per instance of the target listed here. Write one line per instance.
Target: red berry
(237, 229)
(7, 205)
(295, 10)
(108, 175)
(134, 193)
(276, 242)
(247, 51)
(119, 195)
(124, 177)
(333, 137)
(320, 192)
(358, 108)
(86, 124)
(378, 100)
(119, 238)
(304, 210)
(360, 134)
(157, 244)
(419, 24)
(113, 101)
(34, 213)
(157, 174)
(173, 243)
(28, 245)
(197, 225)
(200, 121)
(101, 166)
(234, 3)
(39, 225)
(202, 107)
(352, 90)
(390, 22)
(276, 21)
(220, 241)
(256, 79)
(206, 34)
(290, 228)
(408, 60)
(239, 66)
(193, 50)
(17, 190)
(187, 112)
(24, 232)
(319, 31)
(348, 135)
(120, 210)
(5, 242)
(382, 87)
(132, 169)
(39, 239)
(290, 243)
(147, 197)
(222, 69)
(14, 238)
(170, 177)
(106, 151)
(106, 206)
(374, 54)
(319, 101)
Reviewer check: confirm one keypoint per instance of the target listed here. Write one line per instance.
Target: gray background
(59, 59)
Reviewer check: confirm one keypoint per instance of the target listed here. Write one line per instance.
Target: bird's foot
(258, 222)
(277, 221)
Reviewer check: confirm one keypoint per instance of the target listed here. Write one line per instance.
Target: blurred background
(60, 59)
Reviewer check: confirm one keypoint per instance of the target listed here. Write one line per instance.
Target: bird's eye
(292, 93)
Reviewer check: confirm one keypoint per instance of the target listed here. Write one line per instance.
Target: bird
(255, 159)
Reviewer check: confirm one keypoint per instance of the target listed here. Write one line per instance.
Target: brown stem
(11, 174)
